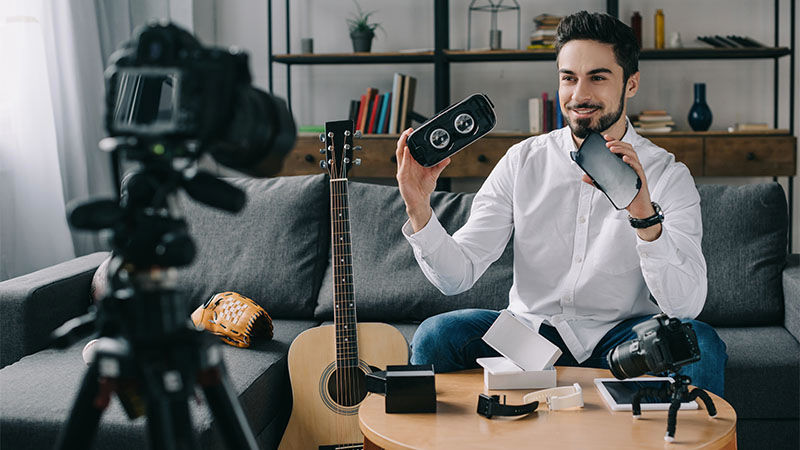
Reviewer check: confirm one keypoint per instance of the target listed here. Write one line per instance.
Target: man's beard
(582, 127)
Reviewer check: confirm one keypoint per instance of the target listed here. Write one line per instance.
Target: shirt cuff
(428, 239)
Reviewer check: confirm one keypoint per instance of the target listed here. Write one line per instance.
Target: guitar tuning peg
(347, 146)
(347, 132)
(357, 148)
(323, 164)
(322, 150)
(322, 137)
(357, 134)
(346, 160)
(357, 161)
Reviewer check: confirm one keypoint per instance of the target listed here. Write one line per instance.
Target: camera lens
(440, 138)
(464, 123)
(627, 360)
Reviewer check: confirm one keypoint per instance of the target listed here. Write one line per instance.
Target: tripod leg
(81, 426)
(697, 392)
(159, 424)
(637, 400)
(672, 419)
(182, 425)
(227, 410)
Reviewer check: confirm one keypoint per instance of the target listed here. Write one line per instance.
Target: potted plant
(362, 31)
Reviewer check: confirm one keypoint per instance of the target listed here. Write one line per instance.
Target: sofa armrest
(33, 305)
(791, 295)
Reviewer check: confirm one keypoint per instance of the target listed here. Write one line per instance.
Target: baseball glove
(233, 317)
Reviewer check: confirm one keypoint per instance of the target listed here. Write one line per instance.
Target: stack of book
(653, 121)
(389, 112)
(544, 114)
(544, 35)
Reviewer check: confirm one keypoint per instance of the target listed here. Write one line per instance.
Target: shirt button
(582, 219)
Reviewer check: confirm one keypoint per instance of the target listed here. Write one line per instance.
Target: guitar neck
(344, 305)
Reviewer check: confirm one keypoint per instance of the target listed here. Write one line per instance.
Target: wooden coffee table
(457, 425)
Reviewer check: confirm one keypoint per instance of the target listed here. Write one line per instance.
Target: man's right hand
(416, 183)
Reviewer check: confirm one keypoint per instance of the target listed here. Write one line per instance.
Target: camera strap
(562, 397)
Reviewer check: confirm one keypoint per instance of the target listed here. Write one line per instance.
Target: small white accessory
(89, 350)
(557, 398)
(517, 341)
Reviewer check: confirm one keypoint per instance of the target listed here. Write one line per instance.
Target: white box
(500, 373)
(524, 346)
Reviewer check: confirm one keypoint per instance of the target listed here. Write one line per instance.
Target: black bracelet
(648, 222)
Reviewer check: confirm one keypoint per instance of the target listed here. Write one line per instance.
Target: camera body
(163, 86)
(452, 130)
(164, 83)
(663, 344)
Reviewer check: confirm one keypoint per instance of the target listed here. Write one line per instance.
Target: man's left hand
(641, 206)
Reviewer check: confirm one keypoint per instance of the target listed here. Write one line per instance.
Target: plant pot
(362, 40)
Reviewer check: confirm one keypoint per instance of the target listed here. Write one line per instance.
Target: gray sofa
(277, 252)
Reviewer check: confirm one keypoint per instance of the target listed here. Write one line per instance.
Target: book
(376, 106)
(752, 126)
(370, 99)
(653, 130)
(382, 120)
(353, 114)
(559, 122)
(397, 95)
(660, 123)
(545, 119)
(362, 104)
(535, 115)
(409, 88)
(660, 118)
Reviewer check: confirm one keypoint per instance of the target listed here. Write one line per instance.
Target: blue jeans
(452, 341)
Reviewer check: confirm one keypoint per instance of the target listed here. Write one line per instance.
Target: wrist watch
(647, 222)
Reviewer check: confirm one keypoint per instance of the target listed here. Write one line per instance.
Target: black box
(408, 389)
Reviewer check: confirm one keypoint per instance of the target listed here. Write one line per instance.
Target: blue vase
(700, 114)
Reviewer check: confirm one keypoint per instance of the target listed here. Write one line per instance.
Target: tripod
(678, 392)
(148, 352)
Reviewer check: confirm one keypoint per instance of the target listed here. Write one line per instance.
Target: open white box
(527, 361)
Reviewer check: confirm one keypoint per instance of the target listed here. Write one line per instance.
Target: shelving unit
(772, 153)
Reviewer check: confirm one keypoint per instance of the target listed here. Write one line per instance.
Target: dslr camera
(663, 344)
(163, 86)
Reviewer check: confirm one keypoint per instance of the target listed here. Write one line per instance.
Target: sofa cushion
(38, 392)
(389, 285)
(274, 251)
(744, 242)
(762, 377)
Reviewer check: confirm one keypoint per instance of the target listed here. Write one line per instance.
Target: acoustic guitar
(328, 364)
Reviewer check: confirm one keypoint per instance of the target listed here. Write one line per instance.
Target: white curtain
(52, 56)
(33, 227)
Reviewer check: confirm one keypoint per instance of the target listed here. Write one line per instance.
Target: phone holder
(408, 389)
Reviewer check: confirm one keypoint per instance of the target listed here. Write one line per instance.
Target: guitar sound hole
(347, 386)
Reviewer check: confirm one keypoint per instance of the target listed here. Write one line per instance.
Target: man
(583, 275)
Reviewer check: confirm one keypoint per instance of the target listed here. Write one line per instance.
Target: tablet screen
(623, 391)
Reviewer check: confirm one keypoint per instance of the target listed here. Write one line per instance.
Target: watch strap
(647, 222)
(562, 397)
(489, 406)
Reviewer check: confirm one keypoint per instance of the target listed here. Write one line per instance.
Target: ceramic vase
(700, 113)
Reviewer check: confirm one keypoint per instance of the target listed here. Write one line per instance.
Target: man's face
(591, 90)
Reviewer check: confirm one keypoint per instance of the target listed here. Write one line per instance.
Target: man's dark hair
(602, 28)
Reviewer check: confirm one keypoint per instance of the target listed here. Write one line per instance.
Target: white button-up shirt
(578, 263)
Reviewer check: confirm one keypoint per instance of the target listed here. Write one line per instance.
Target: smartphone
(451, 130)
(615, 178)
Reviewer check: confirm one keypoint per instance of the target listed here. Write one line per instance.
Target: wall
(737, 91)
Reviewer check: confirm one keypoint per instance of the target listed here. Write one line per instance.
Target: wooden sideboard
(712, 153)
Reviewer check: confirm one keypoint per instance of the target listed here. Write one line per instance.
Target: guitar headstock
(338, 139)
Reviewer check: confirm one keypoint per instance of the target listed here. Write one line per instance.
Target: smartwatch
(647, 222)
(489, 406)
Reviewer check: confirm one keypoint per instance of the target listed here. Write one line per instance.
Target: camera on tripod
(663, 344)
(169, 100)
